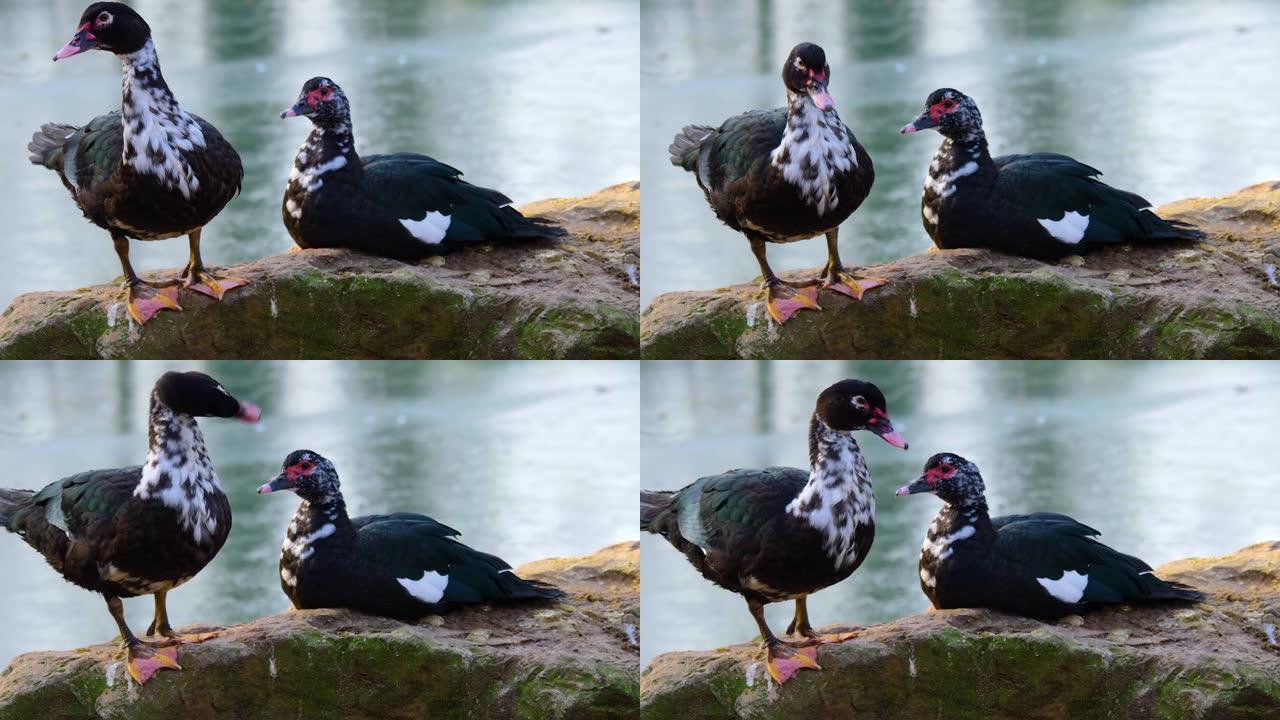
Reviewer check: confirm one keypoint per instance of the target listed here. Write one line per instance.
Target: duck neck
(178, 473)
(838, 498)
(815, 148)
(157, 131)
(316, 520)
(955, 524)
(329, 150)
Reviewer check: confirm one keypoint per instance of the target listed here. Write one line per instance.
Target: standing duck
(783, 533)
(151, 171)
(141, 530)
(1042, 565)
(1044, 205)
(784, 175)
(401, 565)
(401, 206)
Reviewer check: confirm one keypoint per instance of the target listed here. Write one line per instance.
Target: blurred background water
(526, 459)
(1166, 97)
(536, 98)
(1166, 459)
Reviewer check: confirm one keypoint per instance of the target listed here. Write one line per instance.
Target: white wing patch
(430, 229)
(1069, 588)
(429, 588)
(1070, 229)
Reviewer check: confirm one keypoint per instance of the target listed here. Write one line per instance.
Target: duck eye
(946, 469)
(307, 466)
(104, 18)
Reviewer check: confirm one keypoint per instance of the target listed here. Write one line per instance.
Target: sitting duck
(141, 530)
(402, 565)
(151, 171)
(783, 533)
(783, 175)
(1044, 205)
(402, 206)
(1042, 565)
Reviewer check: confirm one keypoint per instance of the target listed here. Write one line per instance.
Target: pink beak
(83, 41)
(821, 98)
(893, 438)
(249, 412)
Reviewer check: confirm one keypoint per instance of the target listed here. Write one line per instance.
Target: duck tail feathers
(47, 144)
(518, 588)
(11, 501)
(687, 146)
(519, 226)
(1157, 228)
(1158, 589)
(653, 504)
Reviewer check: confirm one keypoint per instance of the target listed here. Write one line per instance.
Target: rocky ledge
(1217, 659)
(578, 658)
(572, 298)
(1216, 299)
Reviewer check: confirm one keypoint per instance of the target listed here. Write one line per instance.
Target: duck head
(307, 473)
(198, 395)
(852, 405)
(110, 26)
(951, 113)
(950, 477)
(806, 73)
(321, 100)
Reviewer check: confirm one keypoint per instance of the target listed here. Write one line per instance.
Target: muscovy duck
(1044, 205)
(402, 206)
(783, 533)
(151, 171)
(784, 175)
(402, 565)
(141, 530)
(1042, 565)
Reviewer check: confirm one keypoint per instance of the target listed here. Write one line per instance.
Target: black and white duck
(141, 530)
(401, 565)
(151, 171)
(1043, 205)
(784, 175)
(1042, 565)
(401, 206)
(783, 533)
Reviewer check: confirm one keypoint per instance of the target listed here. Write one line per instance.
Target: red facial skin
(937, 110)
(938, 474)
(319, 95)
(297, 472)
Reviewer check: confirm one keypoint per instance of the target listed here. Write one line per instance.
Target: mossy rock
(572, 659)
(1215, 299)
(576, 297)
(1213, 661)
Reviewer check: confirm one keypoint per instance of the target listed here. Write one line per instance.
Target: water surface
(537, 99)
(1162, 96)
(471, 444)
(1167, 460)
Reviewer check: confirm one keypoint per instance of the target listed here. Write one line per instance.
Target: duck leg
(160, 626)
(144, 299)
(201, 280)
(782, 659)
(838, 278)
(783, 300)
(800, 626)
(142, 660)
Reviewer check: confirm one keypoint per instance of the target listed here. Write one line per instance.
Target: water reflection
(1160, 95)
(468, 443)
(538, 99)
(1168, 460)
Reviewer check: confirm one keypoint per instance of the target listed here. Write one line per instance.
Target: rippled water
(1168, 460)
(526, 459)
(1166, 97)
(537, 99)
